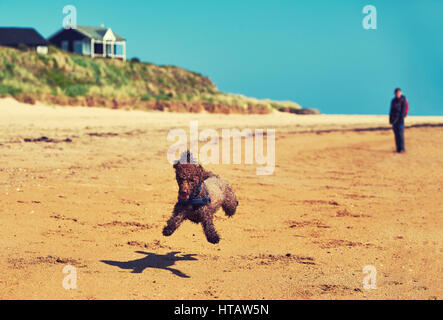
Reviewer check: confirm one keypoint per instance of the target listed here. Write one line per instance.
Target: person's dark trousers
(399, 132)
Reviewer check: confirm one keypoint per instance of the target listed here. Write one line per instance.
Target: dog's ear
(203, 173)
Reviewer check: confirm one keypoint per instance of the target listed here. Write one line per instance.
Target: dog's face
(189, 178)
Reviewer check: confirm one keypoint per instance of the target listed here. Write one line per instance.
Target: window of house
(87, 47)
(118, 50)
(109, 49)
(65, 45)
(78, 47)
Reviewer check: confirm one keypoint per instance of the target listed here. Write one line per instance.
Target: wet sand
(96, 193)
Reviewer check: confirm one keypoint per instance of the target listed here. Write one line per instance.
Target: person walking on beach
(399, 110)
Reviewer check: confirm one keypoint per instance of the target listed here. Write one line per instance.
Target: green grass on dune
(64, 75)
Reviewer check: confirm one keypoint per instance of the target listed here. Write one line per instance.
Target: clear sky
(313, 52)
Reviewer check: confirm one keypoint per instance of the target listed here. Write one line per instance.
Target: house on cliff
(91, 41)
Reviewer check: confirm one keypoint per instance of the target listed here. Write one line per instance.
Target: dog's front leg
(174, 222)
(209, 230)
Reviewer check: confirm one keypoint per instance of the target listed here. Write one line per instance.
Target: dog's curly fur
(189, 177)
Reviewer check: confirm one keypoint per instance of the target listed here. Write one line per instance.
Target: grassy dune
(63, 78)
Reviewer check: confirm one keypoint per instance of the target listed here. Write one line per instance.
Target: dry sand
(339, 200)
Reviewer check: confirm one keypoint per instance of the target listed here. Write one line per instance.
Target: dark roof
(16, 36)
(96, 33)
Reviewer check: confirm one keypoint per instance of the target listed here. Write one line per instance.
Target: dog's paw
(167, 231)
(214, 239)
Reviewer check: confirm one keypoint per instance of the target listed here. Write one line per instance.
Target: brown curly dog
(201, 194)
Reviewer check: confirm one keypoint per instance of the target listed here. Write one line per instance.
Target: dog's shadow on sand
(153, 260)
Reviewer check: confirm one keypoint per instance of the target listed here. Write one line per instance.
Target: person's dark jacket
(399, 110)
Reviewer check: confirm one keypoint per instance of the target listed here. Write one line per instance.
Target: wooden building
(27, 37)
(91, 41)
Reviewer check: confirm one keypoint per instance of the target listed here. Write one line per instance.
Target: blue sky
(313, 52)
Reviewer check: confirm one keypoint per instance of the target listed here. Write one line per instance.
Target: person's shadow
(153, 260)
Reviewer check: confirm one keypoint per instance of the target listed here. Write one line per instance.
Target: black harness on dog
(193, 200)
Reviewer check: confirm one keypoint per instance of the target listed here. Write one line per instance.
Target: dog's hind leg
(209, 230)
(230, 202)
(174, 222)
